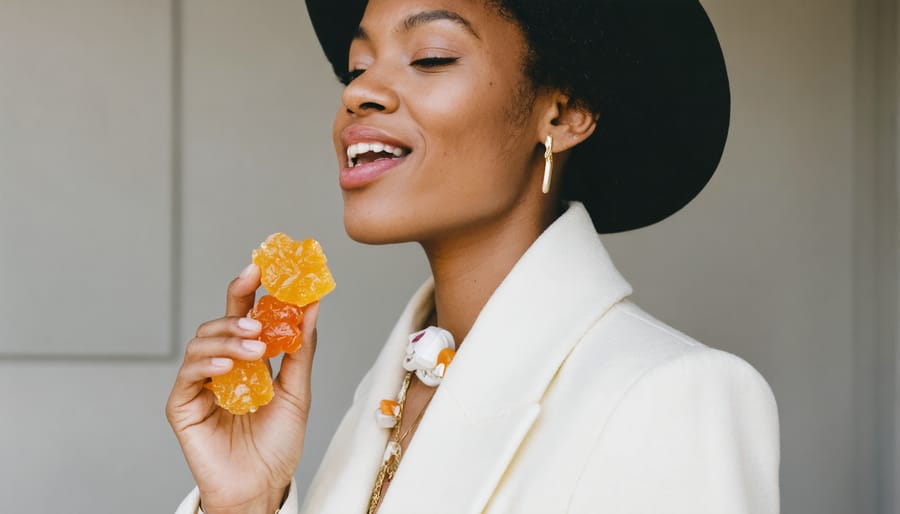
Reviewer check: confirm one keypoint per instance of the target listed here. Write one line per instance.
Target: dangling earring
(548, 164)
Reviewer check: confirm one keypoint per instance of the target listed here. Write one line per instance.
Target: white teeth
(357, 149)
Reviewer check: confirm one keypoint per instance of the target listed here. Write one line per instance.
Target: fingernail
(253, 346)
(220, 362)
(250, 324)
(246, 271)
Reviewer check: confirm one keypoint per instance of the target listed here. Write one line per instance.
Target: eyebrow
(421, 18)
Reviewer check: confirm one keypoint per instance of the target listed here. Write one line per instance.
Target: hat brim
(662, 127)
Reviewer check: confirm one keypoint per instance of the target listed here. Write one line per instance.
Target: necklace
(392, 453)
(415, 423)
(439, 344)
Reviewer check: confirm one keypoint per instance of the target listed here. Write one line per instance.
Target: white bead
(383, 420)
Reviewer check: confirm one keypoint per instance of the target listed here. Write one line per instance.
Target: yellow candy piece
(245, 388)
(293, 271)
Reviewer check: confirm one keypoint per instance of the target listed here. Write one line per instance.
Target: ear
(569, 124)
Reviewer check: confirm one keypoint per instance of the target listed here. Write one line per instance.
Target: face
(439, 121)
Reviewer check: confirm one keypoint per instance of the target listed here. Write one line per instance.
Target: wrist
(272, 503)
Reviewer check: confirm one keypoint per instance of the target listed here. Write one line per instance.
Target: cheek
(474, 133)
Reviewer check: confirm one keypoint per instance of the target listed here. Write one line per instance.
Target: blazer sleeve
(696, 434)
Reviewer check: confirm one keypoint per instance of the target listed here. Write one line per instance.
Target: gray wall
(211, 120)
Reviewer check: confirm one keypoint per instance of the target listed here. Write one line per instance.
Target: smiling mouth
(365, 153)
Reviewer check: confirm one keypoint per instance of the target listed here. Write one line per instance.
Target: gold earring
(548, 164)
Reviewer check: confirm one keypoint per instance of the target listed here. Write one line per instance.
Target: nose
(370, 92)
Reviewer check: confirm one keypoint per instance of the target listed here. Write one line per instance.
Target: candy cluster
(295, 274)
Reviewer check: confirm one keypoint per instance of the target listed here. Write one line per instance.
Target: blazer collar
(557, 290)
(491, 392)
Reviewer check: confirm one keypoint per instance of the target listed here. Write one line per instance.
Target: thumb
(296, 368)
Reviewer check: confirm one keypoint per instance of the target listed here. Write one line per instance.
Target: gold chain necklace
(415, 422)
(393, 452)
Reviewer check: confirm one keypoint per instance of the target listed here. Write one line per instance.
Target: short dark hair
(561, 38)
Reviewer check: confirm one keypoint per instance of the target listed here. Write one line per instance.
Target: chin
(375, 226)
(363, 233)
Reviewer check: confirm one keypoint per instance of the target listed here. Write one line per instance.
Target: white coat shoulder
(683, 428)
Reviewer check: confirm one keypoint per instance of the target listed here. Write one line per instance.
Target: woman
(502, 135)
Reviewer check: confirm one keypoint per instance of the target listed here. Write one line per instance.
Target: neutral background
(146, 146)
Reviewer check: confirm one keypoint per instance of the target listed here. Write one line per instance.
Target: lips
(370, 153)
(364, 174)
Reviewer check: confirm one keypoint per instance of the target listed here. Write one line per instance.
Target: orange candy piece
(295, 275)
(243, 389)
(293, 271)
(280, 325)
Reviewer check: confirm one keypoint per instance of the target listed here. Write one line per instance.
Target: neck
(467, 268)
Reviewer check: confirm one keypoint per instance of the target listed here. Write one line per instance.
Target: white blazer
(565, 398)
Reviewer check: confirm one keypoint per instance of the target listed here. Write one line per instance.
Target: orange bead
(245, 388)
(390, 408)
(446, 356)
(281, 324)
(292, 271)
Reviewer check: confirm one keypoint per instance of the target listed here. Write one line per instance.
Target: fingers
(246, 328)
(296, 368)
(242, 291)
(210, 357)
(212, 353)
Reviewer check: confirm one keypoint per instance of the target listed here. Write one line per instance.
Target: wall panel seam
(875, 256)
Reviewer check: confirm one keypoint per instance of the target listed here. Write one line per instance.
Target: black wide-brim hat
(663, 121)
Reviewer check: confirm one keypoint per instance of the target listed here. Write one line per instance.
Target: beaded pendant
(428, 354)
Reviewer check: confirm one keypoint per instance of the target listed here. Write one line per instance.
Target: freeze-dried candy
(281, 324)
(293, 271)
(295, 274)
(243, 389)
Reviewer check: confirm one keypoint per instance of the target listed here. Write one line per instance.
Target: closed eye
(426, 62)
(434, 62)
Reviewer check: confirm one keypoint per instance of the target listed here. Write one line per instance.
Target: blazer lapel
(491, 393)
(344, 480)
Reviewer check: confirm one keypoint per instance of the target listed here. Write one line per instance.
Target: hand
(241, 463)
